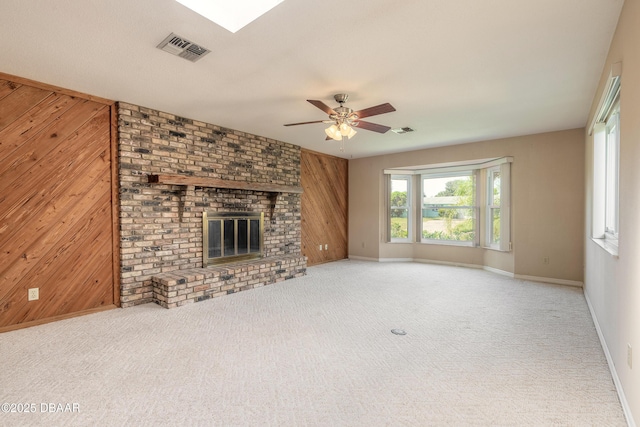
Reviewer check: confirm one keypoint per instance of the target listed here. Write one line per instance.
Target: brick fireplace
(212, 169)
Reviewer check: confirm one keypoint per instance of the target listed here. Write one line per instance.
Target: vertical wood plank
(58, 208)
(6, 87)
(37, 120)
(18, 102)
(324, 180)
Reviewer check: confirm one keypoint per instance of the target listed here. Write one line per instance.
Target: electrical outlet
(545, 260)
(326, 247)
(629, 356)
(363, 244)
(34, 294)
(320, 247)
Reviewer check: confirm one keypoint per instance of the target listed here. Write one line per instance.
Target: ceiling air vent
(400, 131)
(182, 47)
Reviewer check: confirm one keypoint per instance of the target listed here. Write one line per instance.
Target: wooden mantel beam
(174, 179)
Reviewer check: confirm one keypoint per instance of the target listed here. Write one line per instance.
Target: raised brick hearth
(161, 224)
(182, 287)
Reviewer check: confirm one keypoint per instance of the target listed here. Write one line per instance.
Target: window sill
(448, 243)
(493, 248)
(607, 246)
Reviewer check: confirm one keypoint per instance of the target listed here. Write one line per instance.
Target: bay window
(460, 203)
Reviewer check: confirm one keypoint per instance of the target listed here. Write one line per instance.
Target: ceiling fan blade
(374, 111)
(305, 123)
(321, 105)
(360, 124)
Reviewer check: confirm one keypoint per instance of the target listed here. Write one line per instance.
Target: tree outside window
(448, 211)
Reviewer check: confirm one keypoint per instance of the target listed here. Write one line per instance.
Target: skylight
(231, 14)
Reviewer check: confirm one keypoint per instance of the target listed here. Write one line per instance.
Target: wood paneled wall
(58, 213)
(324, 180)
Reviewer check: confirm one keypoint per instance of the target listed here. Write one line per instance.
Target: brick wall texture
(161, 225)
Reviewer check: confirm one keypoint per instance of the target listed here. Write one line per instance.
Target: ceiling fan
(344, 119)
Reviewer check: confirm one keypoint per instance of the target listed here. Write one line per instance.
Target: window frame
(605, 207)
(473, 208)
(491, 206)
(504, 245)
(612, 174)
(407, 207)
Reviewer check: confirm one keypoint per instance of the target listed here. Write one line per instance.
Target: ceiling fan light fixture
(344, 120)
(333, 132)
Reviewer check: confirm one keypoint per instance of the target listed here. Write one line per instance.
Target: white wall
(612, 285)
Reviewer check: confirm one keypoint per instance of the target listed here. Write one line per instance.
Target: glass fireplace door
(232, 236)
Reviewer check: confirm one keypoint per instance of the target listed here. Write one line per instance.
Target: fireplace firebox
(232, 236)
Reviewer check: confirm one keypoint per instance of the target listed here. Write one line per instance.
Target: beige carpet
(480, 349)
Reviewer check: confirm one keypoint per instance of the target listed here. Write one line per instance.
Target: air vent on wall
(182, 47)
(400, 131)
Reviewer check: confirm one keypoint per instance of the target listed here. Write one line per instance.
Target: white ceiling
(456, 71)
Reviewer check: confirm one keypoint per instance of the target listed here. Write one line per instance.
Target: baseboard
(482, 267)
(498, 271)
(549, 280)
(362, 258)
(452, 263)
(424, 261)
(612, 367)
(434, 261)
(56, 318)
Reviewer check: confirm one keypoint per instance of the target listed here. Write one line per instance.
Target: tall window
(606, 165)
(497, 220)
(448, 207)
(493, 207)
(612, 149)
(400, 208)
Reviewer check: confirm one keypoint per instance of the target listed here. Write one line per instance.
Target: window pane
(447, 210)
(399, 211)
(453, 190)
(495, 225)
(492, 220)
(611, 175)
(399, 193)
(399, 224)
(448, 224)
(495, 196)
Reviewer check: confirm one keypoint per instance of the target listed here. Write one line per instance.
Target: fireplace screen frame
(223, 219)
